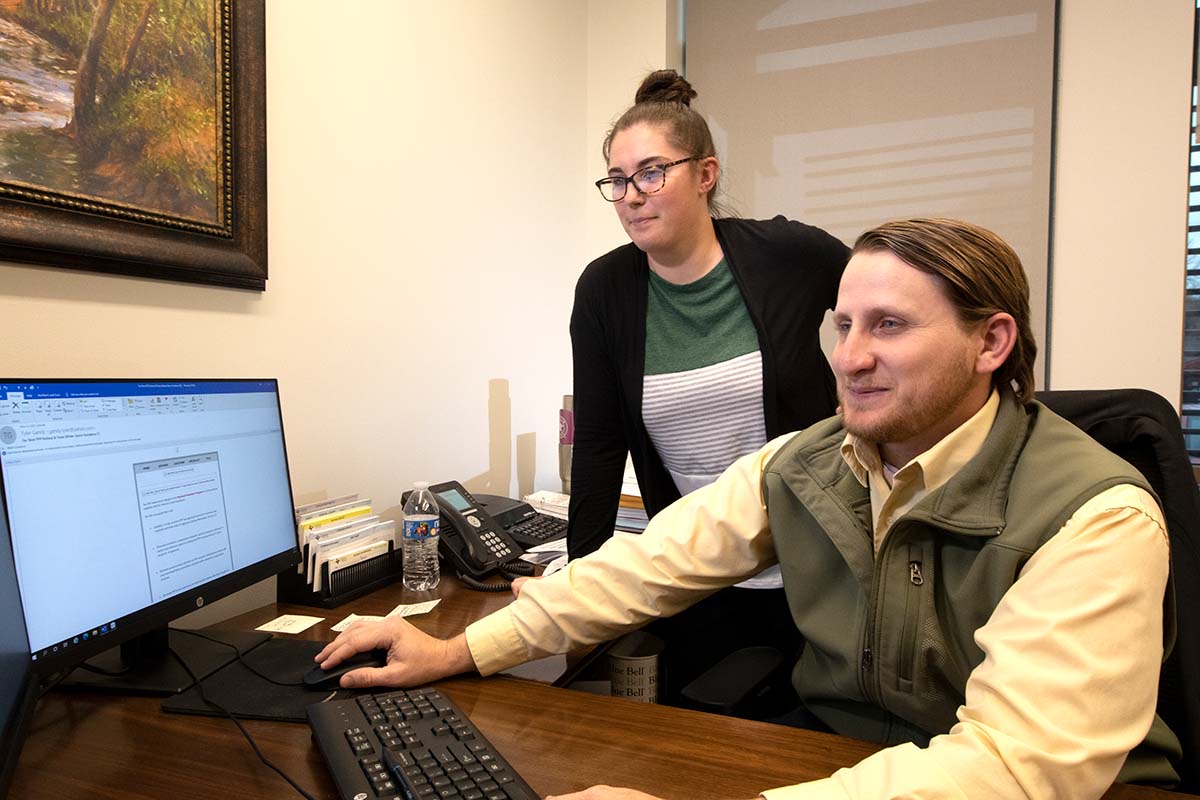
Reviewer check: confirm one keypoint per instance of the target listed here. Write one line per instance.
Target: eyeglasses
(648, 180)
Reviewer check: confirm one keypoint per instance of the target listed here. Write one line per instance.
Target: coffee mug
(633, 666)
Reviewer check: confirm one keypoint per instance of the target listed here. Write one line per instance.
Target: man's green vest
(890, 636)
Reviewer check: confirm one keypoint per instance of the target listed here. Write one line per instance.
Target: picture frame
(50, 227)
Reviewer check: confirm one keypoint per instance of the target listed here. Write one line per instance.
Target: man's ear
(998, 337)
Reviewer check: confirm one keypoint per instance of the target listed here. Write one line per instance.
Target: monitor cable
(253, 745)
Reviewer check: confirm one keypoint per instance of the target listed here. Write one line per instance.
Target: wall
(627, 39)
(1119, 235)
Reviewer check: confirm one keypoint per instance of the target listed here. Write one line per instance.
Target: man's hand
(604, 793)
(414, 657)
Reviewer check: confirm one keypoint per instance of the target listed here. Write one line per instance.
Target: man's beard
(917, 414)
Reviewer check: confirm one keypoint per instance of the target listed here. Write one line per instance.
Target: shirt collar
(939, 463)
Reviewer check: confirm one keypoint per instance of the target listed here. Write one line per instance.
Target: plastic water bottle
(420, 539)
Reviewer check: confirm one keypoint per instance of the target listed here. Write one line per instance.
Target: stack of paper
(553, 503)
(339, 533)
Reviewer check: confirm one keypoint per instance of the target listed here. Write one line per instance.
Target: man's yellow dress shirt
(1069, 679)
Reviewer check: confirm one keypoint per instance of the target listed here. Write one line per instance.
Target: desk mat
(251, 697)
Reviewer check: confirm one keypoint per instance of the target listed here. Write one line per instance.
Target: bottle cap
(418, 485)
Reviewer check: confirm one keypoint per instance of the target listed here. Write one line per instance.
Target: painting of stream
(113, 103)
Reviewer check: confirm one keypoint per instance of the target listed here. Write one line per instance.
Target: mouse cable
(240, 658)
(199, 684)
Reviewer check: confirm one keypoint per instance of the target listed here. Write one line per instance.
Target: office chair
(1143, 428)
(1140, 427)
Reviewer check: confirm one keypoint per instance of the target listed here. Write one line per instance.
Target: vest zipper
(868, 679)
(912, 620)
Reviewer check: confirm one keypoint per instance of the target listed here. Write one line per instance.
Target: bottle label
(420, 529)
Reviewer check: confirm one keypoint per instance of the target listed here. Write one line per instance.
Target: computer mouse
(317, 678)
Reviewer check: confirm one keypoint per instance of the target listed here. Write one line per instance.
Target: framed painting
(133, 138)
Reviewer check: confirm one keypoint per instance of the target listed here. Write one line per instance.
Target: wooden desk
(85, 745)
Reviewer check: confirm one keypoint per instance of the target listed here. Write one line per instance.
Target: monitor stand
(143, 665)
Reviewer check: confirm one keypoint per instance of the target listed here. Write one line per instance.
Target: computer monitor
(17, 687)
(130, 503)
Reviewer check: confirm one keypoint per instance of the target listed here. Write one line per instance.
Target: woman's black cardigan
(788, 274)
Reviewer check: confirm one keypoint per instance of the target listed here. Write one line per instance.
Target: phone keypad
(495, 544)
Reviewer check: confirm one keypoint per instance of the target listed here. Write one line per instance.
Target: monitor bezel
(162, 613)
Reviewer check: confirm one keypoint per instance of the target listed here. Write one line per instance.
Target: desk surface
(94, 745)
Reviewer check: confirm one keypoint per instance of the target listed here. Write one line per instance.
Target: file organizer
(342, 585)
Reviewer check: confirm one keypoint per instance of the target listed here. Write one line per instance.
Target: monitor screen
(130, 503)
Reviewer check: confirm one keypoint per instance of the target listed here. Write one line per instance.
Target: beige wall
(627, 39)
(1119, 238)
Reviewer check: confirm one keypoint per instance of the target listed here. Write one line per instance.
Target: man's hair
(981, 274)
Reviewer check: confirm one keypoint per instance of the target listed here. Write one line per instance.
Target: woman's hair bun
(665, 86)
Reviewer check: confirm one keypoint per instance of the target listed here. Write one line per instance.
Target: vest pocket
(911, 632)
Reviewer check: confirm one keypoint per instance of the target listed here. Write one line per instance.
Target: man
(979, 584)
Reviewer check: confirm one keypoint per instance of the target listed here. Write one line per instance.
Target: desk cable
(209, 701)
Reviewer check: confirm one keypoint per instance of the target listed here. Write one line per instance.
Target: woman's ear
(710, 169)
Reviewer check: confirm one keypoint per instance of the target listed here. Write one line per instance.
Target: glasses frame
(627, 180)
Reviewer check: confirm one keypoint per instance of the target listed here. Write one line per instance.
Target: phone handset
(471, 539)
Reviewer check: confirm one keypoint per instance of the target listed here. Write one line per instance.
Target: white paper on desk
(353, 618)
(289, 623)
(545, 552)
(555, 565)
(413, 609)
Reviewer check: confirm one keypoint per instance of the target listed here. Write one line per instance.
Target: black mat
(247, 695)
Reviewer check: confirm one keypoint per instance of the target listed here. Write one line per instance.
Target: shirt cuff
(494, 643)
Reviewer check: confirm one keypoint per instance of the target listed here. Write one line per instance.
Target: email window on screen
(153, 494)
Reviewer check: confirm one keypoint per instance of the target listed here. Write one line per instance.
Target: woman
(692, 345)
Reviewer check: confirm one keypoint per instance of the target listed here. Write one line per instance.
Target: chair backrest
(1143, 428)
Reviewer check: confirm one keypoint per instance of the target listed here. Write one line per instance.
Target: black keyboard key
(384, 788)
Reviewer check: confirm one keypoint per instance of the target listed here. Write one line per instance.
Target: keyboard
(537, 529)
(414, 744)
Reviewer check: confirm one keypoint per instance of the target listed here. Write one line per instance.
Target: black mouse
(317, 678)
